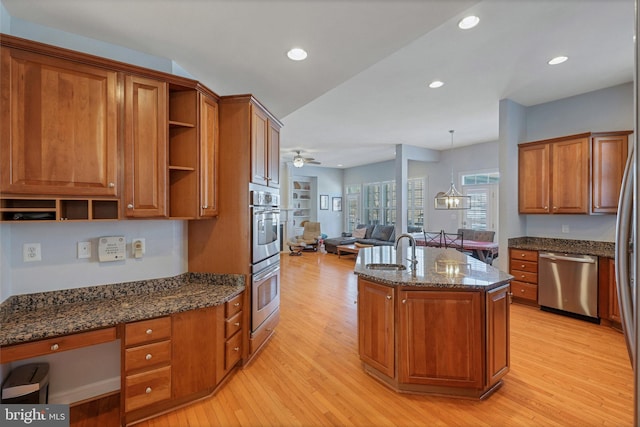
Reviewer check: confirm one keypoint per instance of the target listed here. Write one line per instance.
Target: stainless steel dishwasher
(568, 283)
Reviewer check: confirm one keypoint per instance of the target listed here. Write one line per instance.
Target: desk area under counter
(450, 302)
(176, 343)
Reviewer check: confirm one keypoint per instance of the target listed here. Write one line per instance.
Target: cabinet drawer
(525, 276)
(520, 265)
(524, 290)
(233, 325)
(233, 351)
(56, 345)
(521, 254)
(146, 356)
(147, 331)
(233, 306)
(147, 388)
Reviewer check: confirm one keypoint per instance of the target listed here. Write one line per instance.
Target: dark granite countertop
(437, 268)
(49, 314)
(567, 246)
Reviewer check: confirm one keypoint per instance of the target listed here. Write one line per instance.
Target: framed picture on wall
(337, 203)
(324, 202)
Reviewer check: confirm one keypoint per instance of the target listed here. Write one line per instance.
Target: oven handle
(257, 212)
(267, 272)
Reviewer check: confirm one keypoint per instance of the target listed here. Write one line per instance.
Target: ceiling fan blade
(308, 159)
(313, 163)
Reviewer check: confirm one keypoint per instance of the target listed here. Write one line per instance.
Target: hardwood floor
(564, 372)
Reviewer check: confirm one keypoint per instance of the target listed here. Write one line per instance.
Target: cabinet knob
(111, 185)
(236, 348)
(522, 291)
(148, 356)
(205, 207)
(130, 206)
(522, 276)
(148, 390)
(388, 296)
(404, 301)
(546, 208)
(555, 208)
(149, 331)
(522, 266)
(236, 304)
(236, 324)
(597, 207)
(54, 347)
(522, 255)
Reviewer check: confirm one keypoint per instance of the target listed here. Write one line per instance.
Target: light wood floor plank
(564, 372)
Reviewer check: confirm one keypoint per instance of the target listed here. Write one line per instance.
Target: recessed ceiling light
(297, 54)
(468, 22)
(436, 84)
(557, 60)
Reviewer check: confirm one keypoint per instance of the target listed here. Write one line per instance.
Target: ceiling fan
(299, 161)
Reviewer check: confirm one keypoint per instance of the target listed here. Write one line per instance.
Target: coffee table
(347, 249)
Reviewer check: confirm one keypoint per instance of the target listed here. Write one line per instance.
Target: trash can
(27, 384)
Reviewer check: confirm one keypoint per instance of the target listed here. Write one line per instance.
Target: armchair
(307, 241)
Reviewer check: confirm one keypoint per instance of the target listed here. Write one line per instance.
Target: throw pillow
(382, 232)
(359, 233)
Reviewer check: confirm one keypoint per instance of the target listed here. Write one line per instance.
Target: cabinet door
(146, 128)
(193, 345)
(441, 338)
(259, 136)
(208, 157)
(570, 176)
(376, 326)
(533, 179)
(59, 126)
(609, 160)
(274, 156)
(497, 334)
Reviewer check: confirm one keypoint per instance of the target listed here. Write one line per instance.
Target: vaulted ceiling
(364, 86)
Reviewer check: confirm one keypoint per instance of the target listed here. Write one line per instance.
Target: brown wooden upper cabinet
(577, 174)
(59, 126)
(265, 149)
(145, 142)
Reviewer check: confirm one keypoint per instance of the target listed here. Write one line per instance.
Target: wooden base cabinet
(523, 265)
(434, 341)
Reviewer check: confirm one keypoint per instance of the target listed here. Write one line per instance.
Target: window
(415, 202)
(372, 203)
(483, 190)
(389, 200)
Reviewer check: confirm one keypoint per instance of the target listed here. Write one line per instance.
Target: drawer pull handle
(522, 255)
(236, 324)
(522, 266)
(236, 304)
(236, 348)
(522, 276)
(149, 331)
(148, 390)
(388, 296)
(55, 347)
(522, 290)
(148, 356)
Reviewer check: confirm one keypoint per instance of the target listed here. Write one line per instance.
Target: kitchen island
(440, 328)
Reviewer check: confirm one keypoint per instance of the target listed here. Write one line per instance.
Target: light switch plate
(84, 249)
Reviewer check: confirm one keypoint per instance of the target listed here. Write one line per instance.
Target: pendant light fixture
(452, 199)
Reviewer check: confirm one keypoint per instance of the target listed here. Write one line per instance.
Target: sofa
(376, 235)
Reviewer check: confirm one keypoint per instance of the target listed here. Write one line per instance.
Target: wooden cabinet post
(497, 334)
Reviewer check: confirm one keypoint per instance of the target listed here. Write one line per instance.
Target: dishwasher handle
(568, 258)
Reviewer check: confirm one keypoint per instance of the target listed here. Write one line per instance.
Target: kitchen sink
(389, 267)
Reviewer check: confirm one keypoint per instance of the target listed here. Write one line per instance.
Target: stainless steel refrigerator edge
(627, 255)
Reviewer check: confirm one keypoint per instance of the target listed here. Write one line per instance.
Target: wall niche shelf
(58, 209)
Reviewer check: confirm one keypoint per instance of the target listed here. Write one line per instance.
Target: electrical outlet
(31, 252)
(84, 249)
(138, 247)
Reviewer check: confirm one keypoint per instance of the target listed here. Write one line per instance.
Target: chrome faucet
(412, 243)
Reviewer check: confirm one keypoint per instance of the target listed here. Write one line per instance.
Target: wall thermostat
(111, 248)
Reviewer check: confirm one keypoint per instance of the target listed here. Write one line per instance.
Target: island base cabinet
(440, 339)
(376, 326)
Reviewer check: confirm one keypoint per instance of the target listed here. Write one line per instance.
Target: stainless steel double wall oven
(265, 256)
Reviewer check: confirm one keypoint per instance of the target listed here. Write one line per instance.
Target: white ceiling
(363, 88)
